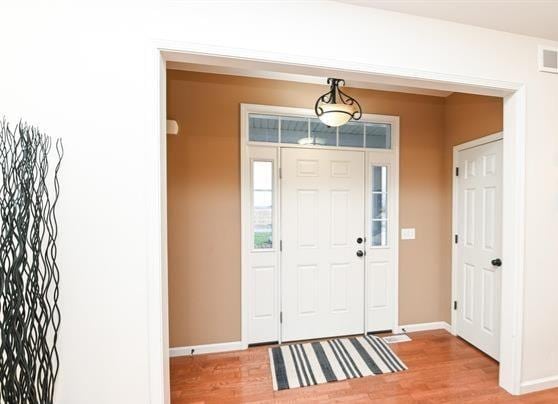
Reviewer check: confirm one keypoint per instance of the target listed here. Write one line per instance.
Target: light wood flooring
(442, 369)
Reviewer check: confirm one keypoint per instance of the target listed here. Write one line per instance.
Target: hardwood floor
(442, 369)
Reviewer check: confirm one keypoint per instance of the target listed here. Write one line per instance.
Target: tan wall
(466, 117)
(204, 198)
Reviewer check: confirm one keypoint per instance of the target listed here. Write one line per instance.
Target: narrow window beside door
(379, 206)
(262, 204)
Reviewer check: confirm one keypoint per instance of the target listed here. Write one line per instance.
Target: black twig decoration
(29, 276)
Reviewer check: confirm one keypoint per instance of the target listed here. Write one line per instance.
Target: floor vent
(394, 339)
(548, 59)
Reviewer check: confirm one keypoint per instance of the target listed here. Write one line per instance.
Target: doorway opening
(514, 109)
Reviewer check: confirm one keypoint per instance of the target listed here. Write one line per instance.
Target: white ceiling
(536, 18)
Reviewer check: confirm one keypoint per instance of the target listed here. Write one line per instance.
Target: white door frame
(455, 217)
(161, 51)
(246, 250)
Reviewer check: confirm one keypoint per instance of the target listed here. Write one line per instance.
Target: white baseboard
(205, 349)
(539, 384)
(437, 325)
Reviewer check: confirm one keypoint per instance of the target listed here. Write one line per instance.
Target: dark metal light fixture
(335, 108)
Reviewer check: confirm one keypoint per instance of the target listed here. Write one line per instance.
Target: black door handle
(360, 240)
(360, 253)
(496, 262)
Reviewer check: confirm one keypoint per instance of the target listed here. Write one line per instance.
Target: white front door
(480, 246)
(322, 216)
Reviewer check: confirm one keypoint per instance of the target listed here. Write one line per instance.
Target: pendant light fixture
(335, 108)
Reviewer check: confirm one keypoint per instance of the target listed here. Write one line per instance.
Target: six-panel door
(322, 215)
(479, 244)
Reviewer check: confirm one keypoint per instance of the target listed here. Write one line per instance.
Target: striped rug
(307, 364)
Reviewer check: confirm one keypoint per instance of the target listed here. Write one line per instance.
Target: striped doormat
(307, 364)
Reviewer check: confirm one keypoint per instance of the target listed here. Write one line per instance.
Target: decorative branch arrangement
(29, 276)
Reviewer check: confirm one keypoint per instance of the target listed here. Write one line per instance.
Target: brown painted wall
(466, 117)
(204, 198)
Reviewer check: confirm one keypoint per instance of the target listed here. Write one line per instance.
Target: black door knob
(496, 262)
(360, 253)
(360, 240)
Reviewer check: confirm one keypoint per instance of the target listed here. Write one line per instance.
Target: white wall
(86, 74)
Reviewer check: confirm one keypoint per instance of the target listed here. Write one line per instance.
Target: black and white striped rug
(307, 364)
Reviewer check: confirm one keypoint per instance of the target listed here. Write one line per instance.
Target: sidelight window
(262, 204)
(379, 206)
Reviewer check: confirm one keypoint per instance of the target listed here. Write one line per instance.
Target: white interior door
(480, 246)
(322, 215)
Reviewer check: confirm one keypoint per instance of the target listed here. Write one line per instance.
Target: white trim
(189, 52)
(436, 325)
(156, 241)
(244, 232)
(455, 214)
(395, 227)
(299, 78)
(513, 241)
(514, 179)
(205, 349)
(543, 383)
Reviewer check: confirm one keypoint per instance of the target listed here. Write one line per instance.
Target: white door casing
(322, 215)
(479, 231)
(262, 268)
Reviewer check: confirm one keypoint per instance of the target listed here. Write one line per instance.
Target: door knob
(360, 253)
(360, 240)
(496, 262)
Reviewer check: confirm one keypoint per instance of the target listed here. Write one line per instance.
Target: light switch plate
(407, 234)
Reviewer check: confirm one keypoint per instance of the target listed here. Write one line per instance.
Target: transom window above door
(306, 131)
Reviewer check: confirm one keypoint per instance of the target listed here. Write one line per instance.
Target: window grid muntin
(309, 138)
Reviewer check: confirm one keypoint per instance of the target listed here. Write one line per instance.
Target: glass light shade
(336, 114)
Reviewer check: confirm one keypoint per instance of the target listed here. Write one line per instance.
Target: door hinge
(281, 317)
(455, 304)
(456, 238)
(280, 173)
(457, 171)
(280, 245)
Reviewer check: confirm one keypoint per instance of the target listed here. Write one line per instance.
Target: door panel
(381, 242)
(339, 218)
(307, 287)
(261, 247)
(480, 232)
(322, 215)
(379, 284)
(307, 218)
(339, 287)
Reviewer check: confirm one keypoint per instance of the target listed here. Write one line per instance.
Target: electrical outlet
(408, 234)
